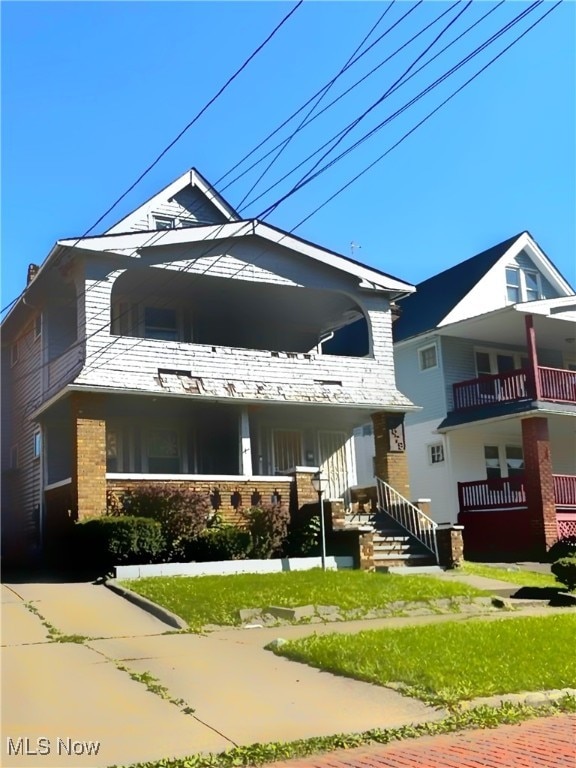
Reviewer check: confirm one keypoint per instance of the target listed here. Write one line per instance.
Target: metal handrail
(407, 515)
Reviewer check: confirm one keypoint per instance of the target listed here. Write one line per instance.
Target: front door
(333, 462)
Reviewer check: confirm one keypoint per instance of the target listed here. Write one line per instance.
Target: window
(111, 450)
(37, 326)
(436, 453)
(37, 444)
(14, 353)
(163, 451)
(514, 460)
(496, 361)
(427, 357)
(163, 222)
(160, 324)
(523, 285)
(503, 461)
(513, 284)
(492, 460)
(186, 223)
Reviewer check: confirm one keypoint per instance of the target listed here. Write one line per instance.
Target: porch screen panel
(332, 453)
(287, 445)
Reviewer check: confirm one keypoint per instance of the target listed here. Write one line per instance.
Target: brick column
(539, 483)
(391, 460)
(450, 545)
(89, 455)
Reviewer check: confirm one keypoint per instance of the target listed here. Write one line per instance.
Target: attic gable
(478, 285)
(188, 201)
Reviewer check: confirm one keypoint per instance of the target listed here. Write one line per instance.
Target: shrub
(223, 542)
(183, 513)
(565, 547)
(565, 571)
(267, 525)
(303, 538)
(106, 541)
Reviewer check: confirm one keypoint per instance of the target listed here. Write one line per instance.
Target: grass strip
(202, 600)
(258, 754)
(446, 663)
(522, 578)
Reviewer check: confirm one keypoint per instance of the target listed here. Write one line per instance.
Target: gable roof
(191, 179)
(437, 297)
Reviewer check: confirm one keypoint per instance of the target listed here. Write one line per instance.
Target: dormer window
(522, 285)
(163, 222)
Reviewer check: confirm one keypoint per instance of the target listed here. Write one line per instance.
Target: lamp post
(320, 485)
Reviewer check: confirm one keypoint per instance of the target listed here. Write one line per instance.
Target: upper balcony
(549, 384)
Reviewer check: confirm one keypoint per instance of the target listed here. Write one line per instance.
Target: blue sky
(92, 92)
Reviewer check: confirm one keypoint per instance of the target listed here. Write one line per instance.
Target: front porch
(506, 494)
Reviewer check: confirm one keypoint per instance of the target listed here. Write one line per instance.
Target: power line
(183, 131)
(100, 352)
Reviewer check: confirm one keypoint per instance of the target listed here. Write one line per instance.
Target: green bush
(183, 513)
(106, 541)
(565, 547)
(565, 571)
(303, 539)
(223, 542)
(267, 525)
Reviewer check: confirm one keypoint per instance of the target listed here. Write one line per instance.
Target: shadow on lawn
(556, 596)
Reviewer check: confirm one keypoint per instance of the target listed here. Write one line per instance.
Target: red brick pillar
(391, 462)
(89, 455)
(539, 483)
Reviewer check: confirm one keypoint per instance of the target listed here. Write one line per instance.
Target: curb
(146, 605)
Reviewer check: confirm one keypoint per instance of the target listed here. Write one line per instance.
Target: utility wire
(182, 132)
(381, 157)
(316, 103)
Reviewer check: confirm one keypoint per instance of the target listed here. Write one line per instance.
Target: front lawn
(202, 600)
(449, 662)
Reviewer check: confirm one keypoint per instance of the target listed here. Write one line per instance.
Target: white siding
(430, 481)
(423, 388)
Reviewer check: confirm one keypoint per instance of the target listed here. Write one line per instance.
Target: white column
(245, 445)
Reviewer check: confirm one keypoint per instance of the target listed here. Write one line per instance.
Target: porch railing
(557, 384)
(408, 516)
(509, 493)
(495, 493)
(486, 390)
(565, 490)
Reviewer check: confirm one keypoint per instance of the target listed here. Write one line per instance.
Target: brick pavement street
(548, 742)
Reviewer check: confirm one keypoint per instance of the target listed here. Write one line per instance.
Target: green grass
(522, 578)
(449, 662)
(205, 600)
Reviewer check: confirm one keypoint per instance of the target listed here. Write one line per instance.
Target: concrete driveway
(68, 704)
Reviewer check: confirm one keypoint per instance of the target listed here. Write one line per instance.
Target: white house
(488, 349)
(186, 345)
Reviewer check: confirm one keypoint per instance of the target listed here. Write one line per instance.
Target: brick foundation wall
(89, 479)
(539, 483)
(228, 495)
(390, 466)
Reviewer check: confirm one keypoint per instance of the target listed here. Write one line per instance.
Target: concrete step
(407, 556)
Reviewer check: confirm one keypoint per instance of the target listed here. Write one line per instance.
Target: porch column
(89, 455)
(539, 483)
(391, 462)
(245, 444)
(534, 383)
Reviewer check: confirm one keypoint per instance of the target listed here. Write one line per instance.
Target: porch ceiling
(507, 326)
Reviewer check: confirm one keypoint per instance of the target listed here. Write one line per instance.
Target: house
(188, 346)
(488, 349)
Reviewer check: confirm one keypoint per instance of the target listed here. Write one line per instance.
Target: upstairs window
(37, 444)
(163, 222)
(522, 285)
(436, 453)
(428, 357)
(160, 324)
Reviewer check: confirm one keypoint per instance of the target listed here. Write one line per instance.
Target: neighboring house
(488, 349)
(185, 345)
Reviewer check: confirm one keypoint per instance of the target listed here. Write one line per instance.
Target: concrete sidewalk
(238, 692)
